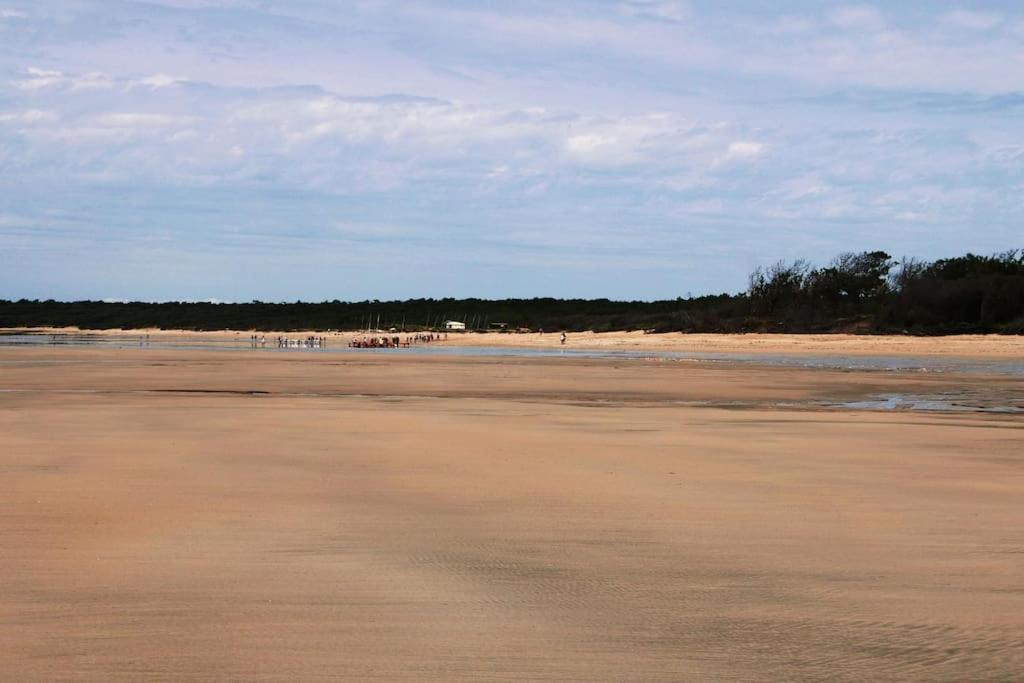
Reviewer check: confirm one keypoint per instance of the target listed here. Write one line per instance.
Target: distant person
(562, 338)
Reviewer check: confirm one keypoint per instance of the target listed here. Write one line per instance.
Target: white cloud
(139, 120)
(325, 140)
(744, 150)
(654, 140)
(29, 116)
(160, 81)
(39, 78)
(608, 142)
(660, 9)
(35, 78)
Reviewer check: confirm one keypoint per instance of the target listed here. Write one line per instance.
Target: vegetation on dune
(866, 292)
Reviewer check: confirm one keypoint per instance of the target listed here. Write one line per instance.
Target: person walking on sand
(562, 338)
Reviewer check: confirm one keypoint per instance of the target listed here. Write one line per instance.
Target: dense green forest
(867, 292)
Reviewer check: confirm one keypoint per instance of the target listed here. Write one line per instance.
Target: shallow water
(948, 403)
(977, 399)
(339, 345)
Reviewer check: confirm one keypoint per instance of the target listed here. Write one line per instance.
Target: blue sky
(307, 149)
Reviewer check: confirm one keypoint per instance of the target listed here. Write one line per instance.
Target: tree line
(868, 292)
(874, 292)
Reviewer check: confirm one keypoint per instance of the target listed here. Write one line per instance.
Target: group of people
(393, 341)
(310, 342)
(378, 343)
(390, 341)
(365, 342)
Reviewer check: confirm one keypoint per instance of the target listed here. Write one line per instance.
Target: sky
(311, 150)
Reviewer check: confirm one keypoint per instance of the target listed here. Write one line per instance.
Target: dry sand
(973, 346)
(274, 516)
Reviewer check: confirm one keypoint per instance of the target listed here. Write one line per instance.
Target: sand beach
(233, 515)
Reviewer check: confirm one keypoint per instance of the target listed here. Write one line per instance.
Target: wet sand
(273, 516)
(988, 346)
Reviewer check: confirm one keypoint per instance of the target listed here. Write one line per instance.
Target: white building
(454, 325)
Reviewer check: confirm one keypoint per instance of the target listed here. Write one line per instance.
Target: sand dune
(237, 516)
